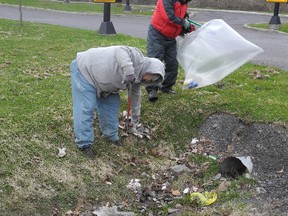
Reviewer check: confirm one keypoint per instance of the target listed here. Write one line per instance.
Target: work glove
(186, 24)
(129, 79)
(139, 131)
(191, 28)
(192, 84)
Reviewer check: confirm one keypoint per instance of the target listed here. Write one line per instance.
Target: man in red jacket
(168, 21)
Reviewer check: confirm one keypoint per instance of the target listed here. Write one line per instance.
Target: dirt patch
(267, 146)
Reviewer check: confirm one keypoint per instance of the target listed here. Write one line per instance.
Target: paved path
(275, 45)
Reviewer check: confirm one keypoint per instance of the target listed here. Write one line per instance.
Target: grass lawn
(116, 8)
(36, 120)
(282, 28)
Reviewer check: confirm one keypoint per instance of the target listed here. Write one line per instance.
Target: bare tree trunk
(20, 11)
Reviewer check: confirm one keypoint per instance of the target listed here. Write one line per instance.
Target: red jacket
(168, 17)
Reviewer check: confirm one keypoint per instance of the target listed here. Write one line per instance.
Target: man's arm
(124, 60)
(170, 12)
(135, 102)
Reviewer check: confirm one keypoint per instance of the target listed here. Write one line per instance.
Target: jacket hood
(153, 66)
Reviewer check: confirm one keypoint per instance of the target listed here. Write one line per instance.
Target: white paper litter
(62, 152)
(134, 184)
(247, 162)
(194, 141)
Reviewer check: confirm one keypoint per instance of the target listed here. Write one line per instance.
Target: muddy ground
(267, 146)
(222, 135)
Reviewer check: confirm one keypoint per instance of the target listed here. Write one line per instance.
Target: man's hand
(129, 79)
(186, 24)
(192, 84)
(191, 28)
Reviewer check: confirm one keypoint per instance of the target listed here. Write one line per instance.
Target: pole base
(127, 8)
(107, 27)
(275, 20)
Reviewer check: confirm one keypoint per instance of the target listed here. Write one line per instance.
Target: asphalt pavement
(274, 44)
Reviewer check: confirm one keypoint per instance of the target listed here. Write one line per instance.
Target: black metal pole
(20, 11)
(275, 20)
(127, 6)
(276, 9)
(107, 12)
(106, 26)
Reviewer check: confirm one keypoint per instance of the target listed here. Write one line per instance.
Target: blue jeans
(85, 103)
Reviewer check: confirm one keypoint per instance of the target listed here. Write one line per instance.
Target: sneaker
(88, 152)
(117, 143)
(168, 91)
(152, 96)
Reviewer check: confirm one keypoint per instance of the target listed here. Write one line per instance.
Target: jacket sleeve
(135, 102)
(170, 12)
(123, 58)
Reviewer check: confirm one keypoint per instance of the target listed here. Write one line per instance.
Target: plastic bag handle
(195, 23)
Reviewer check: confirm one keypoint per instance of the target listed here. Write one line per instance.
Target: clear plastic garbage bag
(212, 52)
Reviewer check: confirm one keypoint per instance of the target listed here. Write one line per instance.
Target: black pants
(164, 49)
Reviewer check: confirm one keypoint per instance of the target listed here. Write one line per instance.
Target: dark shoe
(152, 96)
(168, 91)
(88, 152)
(117, 143)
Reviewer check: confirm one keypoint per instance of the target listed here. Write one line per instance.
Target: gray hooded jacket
(106, 67)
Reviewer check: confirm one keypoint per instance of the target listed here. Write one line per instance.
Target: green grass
(36, 120)
(283, 27)
(116, 8)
